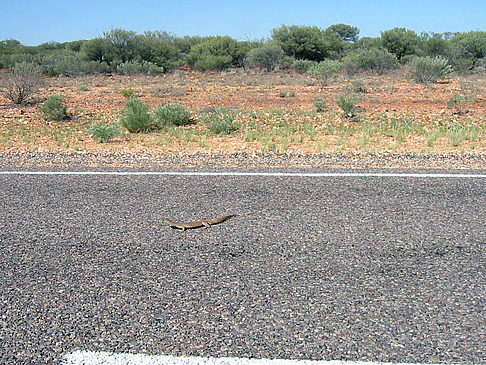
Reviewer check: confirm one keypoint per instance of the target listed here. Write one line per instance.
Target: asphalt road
(336, 268)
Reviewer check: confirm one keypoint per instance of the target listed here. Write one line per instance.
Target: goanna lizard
(206, 223)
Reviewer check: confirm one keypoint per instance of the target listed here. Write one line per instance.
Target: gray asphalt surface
(381, 269)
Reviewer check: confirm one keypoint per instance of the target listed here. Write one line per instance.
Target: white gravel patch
(107, 358)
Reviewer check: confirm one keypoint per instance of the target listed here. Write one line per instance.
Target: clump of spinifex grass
(174, 114)
(136, 117)
(348, 104)
(220, 121)
(53, 108)
(103, 133)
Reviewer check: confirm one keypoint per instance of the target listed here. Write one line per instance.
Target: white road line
(107, 358)
(264, 174)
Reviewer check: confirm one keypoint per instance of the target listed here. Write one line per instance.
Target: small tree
(346, 32)
(266, 57)
(468, 48)
(400, 41)
(24, 80)
(301, 42)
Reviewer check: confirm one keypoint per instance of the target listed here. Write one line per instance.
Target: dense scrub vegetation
(298, 47)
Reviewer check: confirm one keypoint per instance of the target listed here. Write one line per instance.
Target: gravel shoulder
(243, 160)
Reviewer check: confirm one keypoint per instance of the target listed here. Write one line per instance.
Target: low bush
(429, 69)
(220, 121)
(53, 108)
(326, 71)
(212, 63)
(103, 133)
(136, 117)
(139, 67)
(24, 80)
(348, 105)
(373, 60)
(302, 66)
(174, 114)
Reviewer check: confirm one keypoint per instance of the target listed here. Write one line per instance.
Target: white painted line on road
(264, 174)
(108, 358)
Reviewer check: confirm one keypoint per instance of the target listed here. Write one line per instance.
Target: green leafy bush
(400, 41)
(212, 63)
(24, 80)
(428, 69)
(302, 66)
(373, 60)
(217, 53)
(326, 71)
(468, 48)
(302, 42)
(266, 57)
(139, 67)
(53, 108)
(93, 68)
(172, 114)
(103, 133)
(220, 121)
(136, 117)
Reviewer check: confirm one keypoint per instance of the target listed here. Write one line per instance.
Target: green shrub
(302, 66)
(373, 60)
(212, 62)
(136, 117)
(217, 53)
(103, 133)
(24, 80)
(428, 69)
(65, 64)
(220, 121)
(266, 57)
(303, 42)
(326, 71)
(348, 105)
(172, 114)
(53, 108)
(321, 105)
(139, 67)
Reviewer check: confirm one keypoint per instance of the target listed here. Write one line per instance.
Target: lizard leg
(206, 225)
